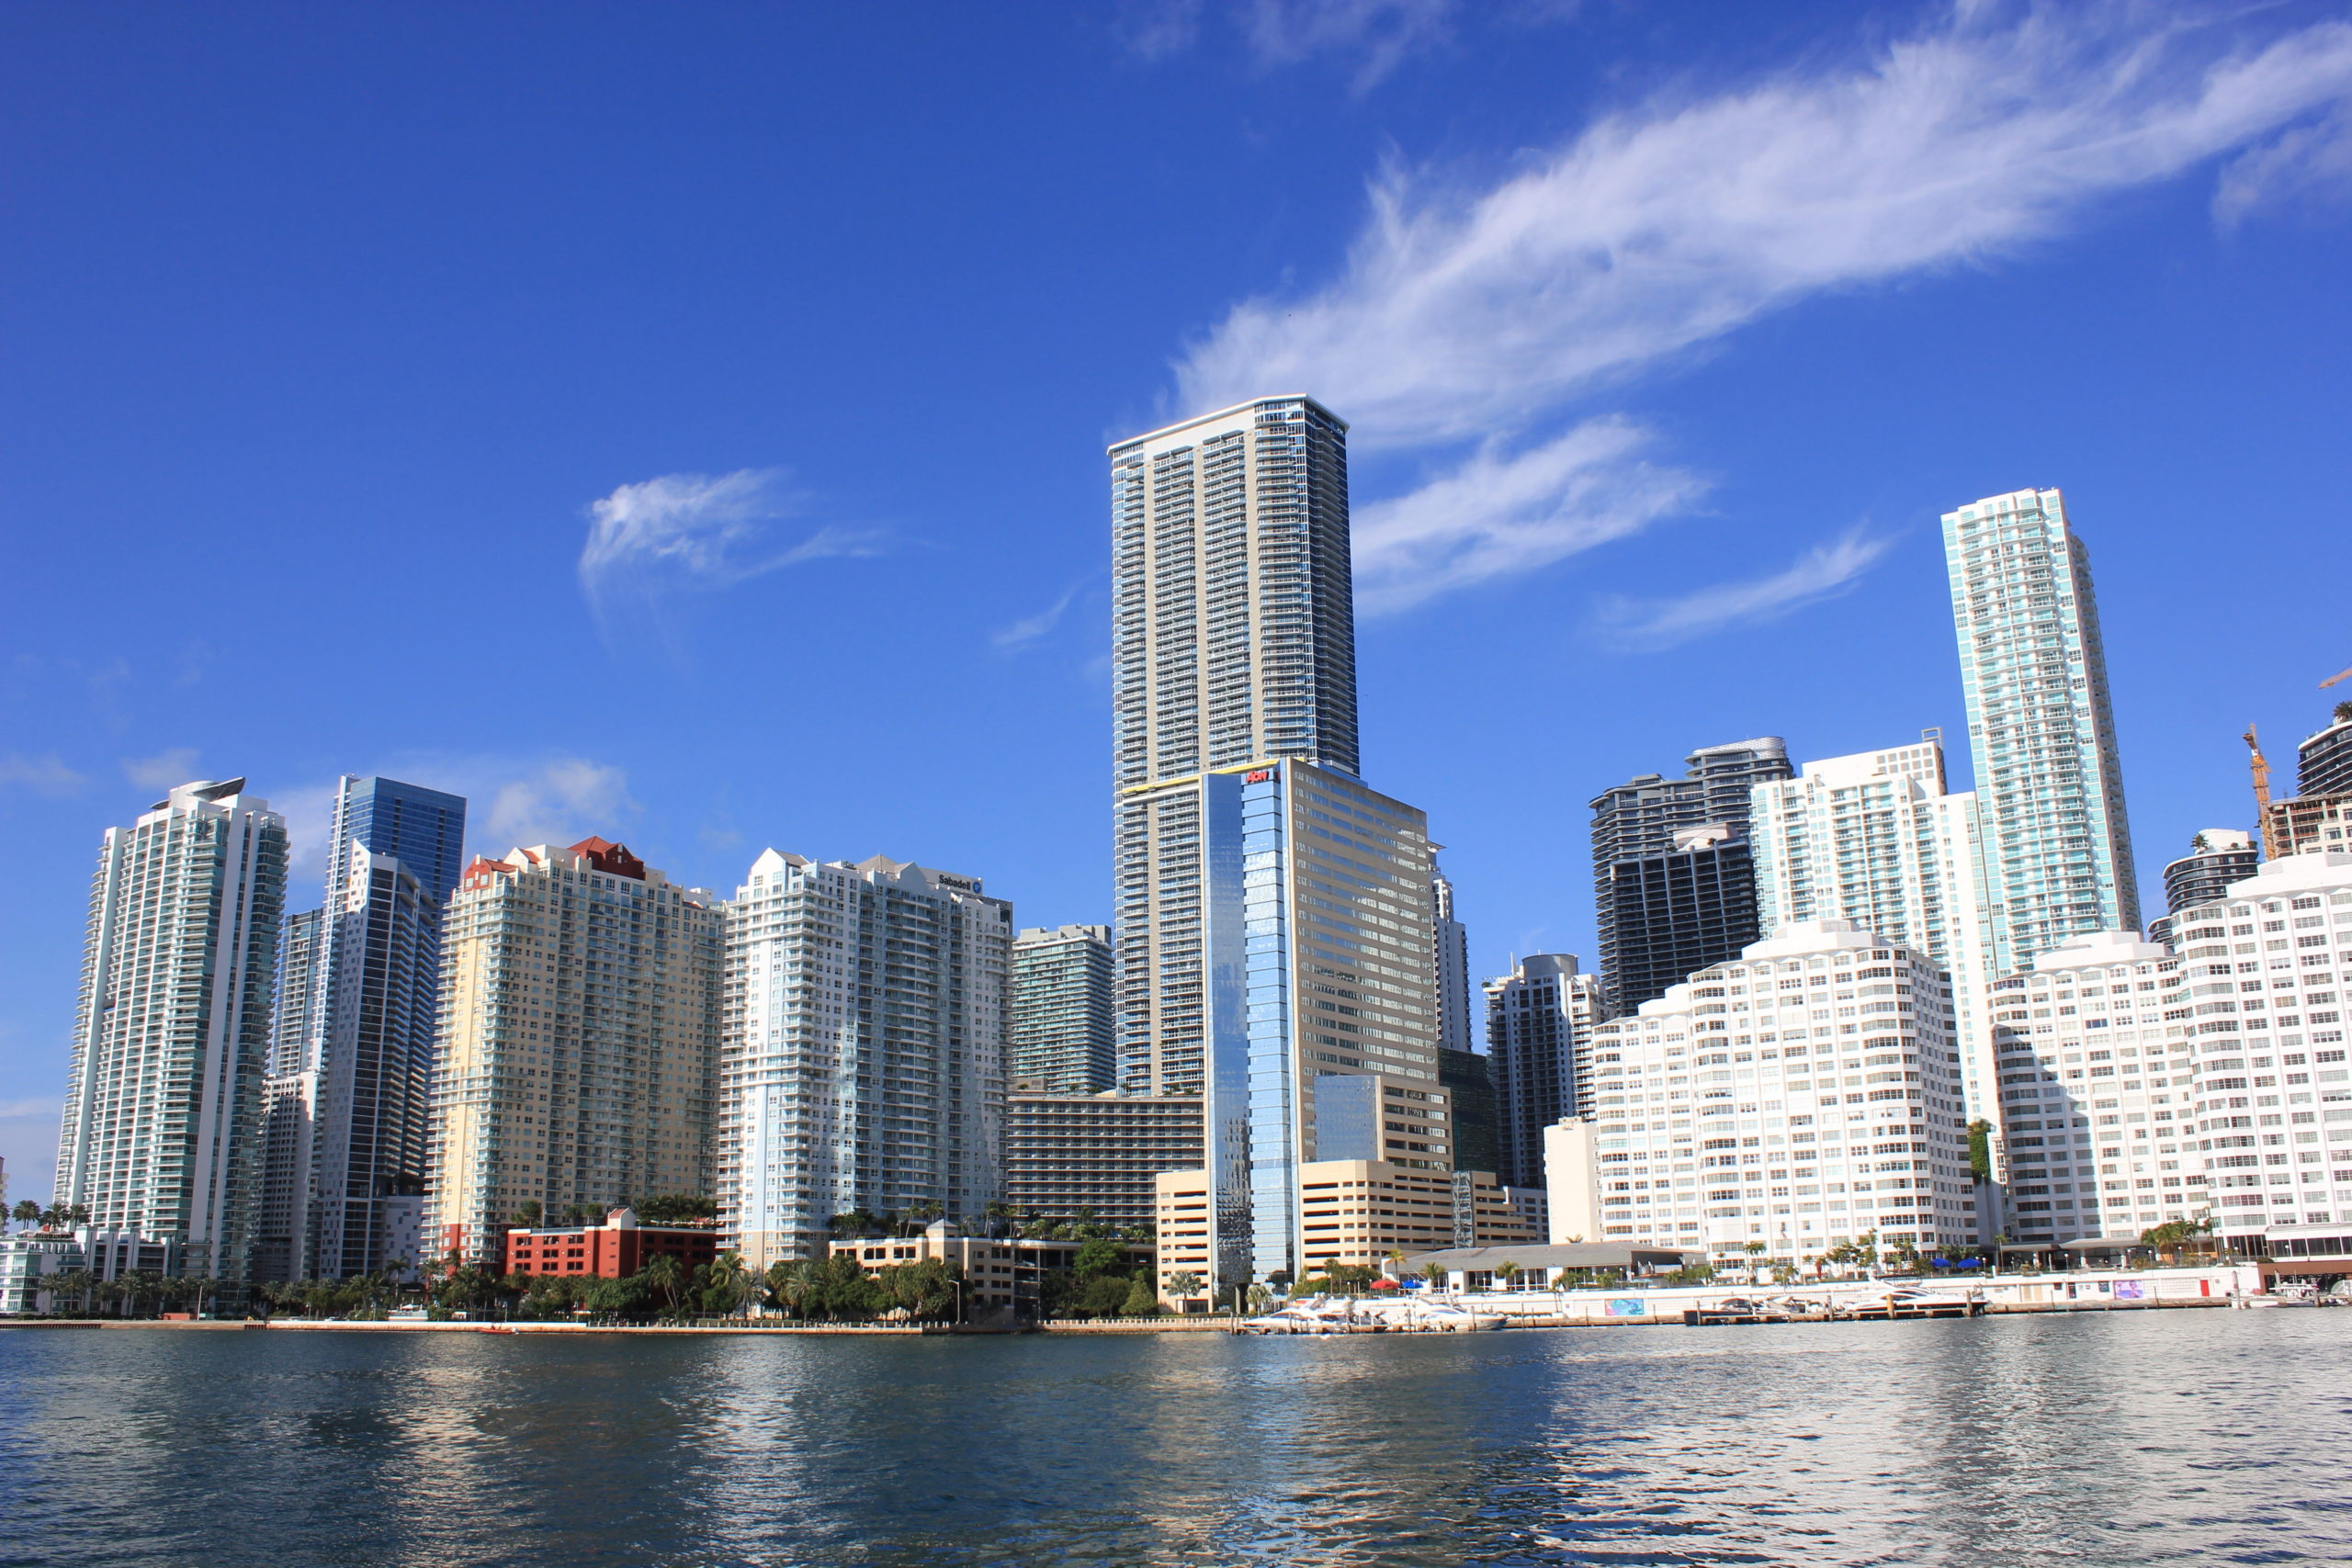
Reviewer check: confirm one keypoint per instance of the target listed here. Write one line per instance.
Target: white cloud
(1500, 512)
(2302, 164)
(1819, 573)
(1031, 628)
(16, 1110)
(163, 771)
(1460, 311)
(1475, 313)
(45, 774)
(1378, 33)
(698, 531)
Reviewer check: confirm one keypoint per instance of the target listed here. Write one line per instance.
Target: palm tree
(1183, 1284)
(74, 1282)
(665, 1279)
(25, 1212)
(1508, 1272)
(726, 1283)
(1435, 1274)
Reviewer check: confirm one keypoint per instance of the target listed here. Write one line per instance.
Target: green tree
(792, 1283)
(727, 1285)
(1184, 1285)
(25, 1212)
(1098, 1257)
(925, 1291)
(1435, 1275)
(677, 1208)
(1980, 1149)
(1508, 1272)
(530, 1215)
(664, 1278)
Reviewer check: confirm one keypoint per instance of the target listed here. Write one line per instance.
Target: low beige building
(1351, 1212)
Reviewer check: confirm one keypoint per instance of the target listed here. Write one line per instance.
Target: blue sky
(685, 423)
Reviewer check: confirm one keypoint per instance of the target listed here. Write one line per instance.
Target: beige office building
(578, 1043)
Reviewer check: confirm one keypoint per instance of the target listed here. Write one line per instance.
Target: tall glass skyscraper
(353, 1056)
(2057, 850)
(1233, 641)
(162, 1134)
(1275, 917)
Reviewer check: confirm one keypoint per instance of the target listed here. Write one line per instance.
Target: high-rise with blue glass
(358, 1003)
(1275, 925)
(2056, 849)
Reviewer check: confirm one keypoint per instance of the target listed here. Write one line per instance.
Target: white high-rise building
(1803, 1095)
(862, 1062)
(2040, 730)
(577, 1042)
(1233, 642)
(2097, 1130)
(2141, 1085)
(162, 1131)
(1875, 839)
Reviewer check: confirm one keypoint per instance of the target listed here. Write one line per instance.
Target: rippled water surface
(2208, 1437)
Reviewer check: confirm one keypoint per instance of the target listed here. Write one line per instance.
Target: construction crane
(2261, 775)
(2332, 680)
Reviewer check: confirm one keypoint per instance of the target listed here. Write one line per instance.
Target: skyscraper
(163, 1099)
(1540, 1019)
(1063, 1034)
(1274, 914)
(2323, 760)
(1451, 967)
(1674, 888)
(2057, 850)
(578, 1045)
(1875, 839)
(861, 1059)
(2216, 857)
(350, 1080)
(1233, 642)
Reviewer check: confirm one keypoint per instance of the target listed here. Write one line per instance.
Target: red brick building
(618, 1247)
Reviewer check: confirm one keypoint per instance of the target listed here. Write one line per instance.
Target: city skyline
(587, 556)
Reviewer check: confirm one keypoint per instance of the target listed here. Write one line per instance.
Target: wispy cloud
(45, 774)
(1376, 34)
(1462, 310)
(164, 770)
(1033, 628)
(1502, 512)
(2304, 164)
(1470, 310)
(1820, 573)
(697, 531)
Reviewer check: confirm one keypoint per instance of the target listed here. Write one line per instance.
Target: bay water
(2141, 1438)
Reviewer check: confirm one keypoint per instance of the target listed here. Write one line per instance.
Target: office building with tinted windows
(1673, 883)
(358, 1018)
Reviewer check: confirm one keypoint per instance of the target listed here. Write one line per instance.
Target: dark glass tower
(1673, 880)
(349, 1088)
